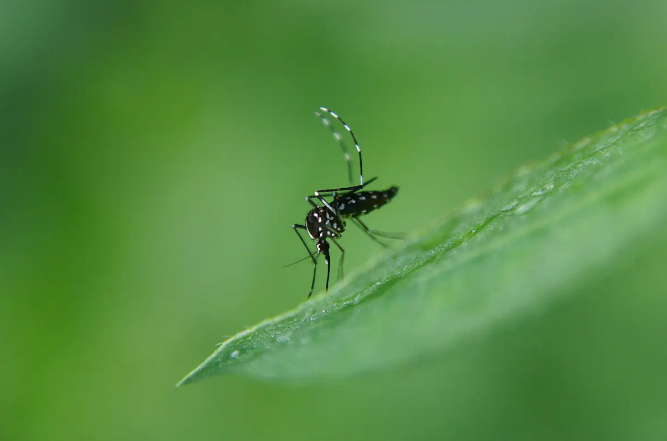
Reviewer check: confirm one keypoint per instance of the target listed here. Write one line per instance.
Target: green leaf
(549, 228)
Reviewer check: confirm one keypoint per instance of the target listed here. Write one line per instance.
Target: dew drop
(545, 189)
(527, 205)
(234, 354)
(511, 206)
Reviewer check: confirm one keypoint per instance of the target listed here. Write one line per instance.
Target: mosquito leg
(358, 223)
(321, 199)
(372, 233)
(354, 138)
(296, 228)
(320, 194)
(353, 189)
(342, 256)
(337, 136)
(342, 251)
(397, 236)
(310, 201)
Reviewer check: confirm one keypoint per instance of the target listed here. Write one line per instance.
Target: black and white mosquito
(327, 221)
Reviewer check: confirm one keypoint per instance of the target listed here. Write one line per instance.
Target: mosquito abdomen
(363, 202)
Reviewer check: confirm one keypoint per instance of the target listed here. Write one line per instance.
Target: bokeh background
(153, 156)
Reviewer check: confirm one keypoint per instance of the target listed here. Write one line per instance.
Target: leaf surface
(550, 227)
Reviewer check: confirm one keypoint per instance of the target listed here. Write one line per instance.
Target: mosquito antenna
(300, 260)
(354, 138)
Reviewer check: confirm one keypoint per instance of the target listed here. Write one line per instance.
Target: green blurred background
(154, 155)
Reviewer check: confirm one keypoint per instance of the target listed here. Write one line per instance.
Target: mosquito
(326, 220)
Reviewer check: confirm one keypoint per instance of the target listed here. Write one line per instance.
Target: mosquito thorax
(322, 222)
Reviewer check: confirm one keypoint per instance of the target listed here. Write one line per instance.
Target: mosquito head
(323, 248)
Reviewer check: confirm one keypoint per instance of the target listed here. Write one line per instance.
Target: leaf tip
(192, 377)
